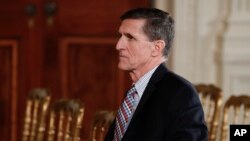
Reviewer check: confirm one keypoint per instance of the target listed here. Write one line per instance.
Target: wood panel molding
(78, 77)
(64, 44)
(13, 46)
(64, 58)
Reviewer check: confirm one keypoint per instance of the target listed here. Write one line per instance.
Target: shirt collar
(141, 84)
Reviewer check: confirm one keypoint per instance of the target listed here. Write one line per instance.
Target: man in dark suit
(161, 106)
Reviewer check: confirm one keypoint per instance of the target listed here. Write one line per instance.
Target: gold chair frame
(240, 105)
(35, 114)
(211, 99)
(100, 124)
(65, 120)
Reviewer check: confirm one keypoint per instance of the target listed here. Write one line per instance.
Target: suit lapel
(150, 88)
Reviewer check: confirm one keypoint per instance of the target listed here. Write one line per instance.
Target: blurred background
(69, 47)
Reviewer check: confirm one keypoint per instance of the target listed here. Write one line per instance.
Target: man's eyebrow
(129, 35)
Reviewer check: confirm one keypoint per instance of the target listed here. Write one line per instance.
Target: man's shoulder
(174, 79)
(165, 79)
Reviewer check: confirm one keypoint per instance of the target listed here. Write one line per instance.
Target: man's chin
(122, 67)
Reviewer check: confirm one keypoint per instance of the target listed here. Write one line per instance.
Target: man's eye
(130, 36)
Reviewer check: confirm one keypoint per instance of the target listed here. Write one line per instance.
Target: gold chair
(100, 124)
(35, 113)
(65, 120)
(211, 99)
(236, 111)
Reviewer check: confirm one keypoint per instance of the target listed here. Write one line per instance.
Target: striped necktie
(124, 113)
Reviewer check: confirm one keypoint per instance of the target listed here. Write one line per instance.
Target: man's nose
(119, 44)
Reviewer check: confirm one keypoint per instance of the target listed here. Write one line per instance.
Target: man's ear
(158, 47)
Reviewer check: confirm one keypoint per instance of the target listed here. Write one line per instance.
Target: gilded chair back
(211, 99)
(65, 120)
(35, 114)
(236, 111)
(100, 124)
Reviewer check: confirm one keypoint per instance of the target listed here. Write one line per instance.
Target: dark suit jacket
(169, 110)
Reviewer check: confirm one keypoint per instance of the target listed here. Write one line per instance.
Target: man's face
(134, 47)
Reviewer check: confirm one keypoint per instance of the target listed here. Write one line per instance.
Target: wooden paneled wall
(69, 49)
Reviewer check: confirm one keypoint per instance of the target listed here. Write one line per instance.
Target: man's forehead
(128, 25)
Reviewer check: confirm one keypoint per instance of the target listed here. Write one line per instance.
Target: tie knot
(132, 91)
